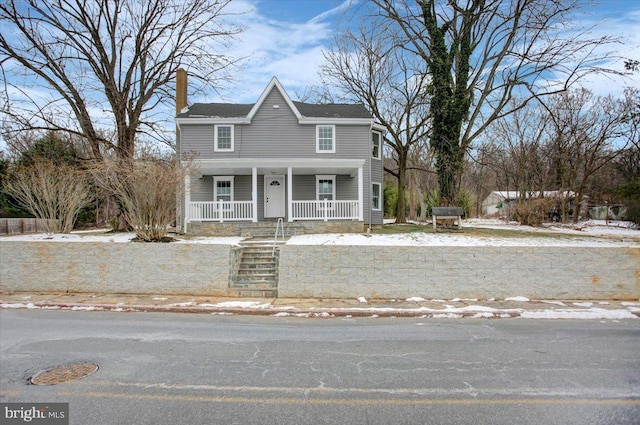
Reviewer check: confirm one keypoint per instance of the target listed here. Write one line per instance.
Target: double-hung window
(223, 138)
(376, 142)
(325, 139)
(326, 188)
(223, 190)
(376, 197)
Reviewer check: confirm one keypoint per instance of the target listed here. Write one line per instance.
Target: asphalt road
(204, 369)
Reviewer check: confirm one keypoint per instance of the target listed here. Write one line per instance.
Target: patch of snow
(518, 298)
(159, 298)
(416, 299)
(447, 316)
(242, 304)
(85, 308)
(483, 316)
(457, 300)
(72, 237)
(592, 313)
(362, 299)
(585, 304)
(187, 304)
(629, 304)
(603, 303)
(13, 305)
(560, 303)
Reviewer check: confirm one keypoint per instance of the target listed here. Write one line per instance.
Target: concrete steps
(257, 272)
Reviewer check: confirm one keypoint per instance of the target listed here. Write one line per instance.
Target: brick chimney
(181, 90)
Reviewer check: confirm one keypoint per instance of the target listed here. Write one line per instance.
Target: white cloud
(291, 51)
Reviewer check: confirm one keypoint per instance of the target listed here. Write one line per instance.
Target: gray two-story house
(319, 166)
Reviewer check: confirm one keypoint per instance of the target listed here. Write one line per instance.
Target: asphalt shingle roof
(309, 110)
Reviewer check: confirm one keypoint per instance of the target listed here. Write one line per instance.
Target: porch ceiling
(235, 167)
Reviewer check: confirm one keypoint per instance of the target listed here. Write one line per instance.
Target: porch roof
(244, 166)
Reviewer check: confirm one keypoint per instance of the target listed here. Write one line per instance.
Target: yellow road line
(348, 401)
(10, 392)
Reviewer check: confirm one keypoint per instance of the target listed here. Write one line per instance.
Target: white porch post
(187, 200)
(289, 194)
(360, 194)
(254, 194)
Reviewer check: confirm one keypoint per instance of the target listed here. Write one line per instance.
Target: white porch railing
(324, 210)
(220, 211)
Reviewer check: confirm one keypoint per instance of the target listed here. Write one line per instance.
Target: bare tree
(583, 135)
(518, 155)
(106, 63)
(366, 68)
(55, 192)
(480, 55)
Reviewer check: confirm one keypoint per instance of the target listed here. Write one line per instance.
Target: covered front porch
(241, 190)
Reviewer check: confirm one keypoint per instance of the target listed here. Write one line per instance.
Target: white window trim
(215, 138)
(333, 186)
(333, 140)
(379, 144)
(216, 179)
(379, 196)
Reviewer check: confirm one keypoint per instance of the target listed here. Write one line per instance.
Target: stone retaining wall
(327, 271)
(465, 272)
(142, 268)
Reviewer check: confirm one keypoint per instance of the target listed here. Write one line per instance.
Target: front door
(274, 196)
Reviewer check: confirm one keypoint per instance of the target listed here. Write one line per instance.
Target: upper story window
(376, 142)
(223, 138)
(325, 139)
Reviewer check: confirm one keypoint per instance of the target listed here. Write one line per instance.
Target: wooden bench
(446, 213)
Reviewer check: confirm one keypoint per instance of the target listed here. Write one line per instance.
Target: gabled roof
(332, 110)
(221, 110)
(301, 110)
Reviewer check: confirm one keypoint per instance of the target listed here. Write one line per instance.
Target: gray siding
(276, 133)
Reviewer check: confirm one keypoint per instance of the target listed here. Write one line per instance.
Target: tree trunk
(402, 185)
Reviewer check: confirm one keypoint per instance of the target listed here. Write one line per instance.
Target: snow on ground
(107, 236)
(518, 298)
(590, 228)
(597, 233)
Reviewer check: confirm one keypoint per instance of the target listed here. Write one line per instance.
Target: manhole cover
(64, 373)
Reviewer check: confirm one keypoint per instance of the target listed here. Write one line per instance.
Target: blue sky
(285, 38)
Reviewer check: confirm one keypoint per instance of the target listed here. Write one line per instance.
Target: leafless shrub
(146, 191)
(51, 191)
(533, 212)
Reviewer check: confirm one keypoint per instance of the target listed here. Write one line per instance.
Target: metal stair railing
(275, 237)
